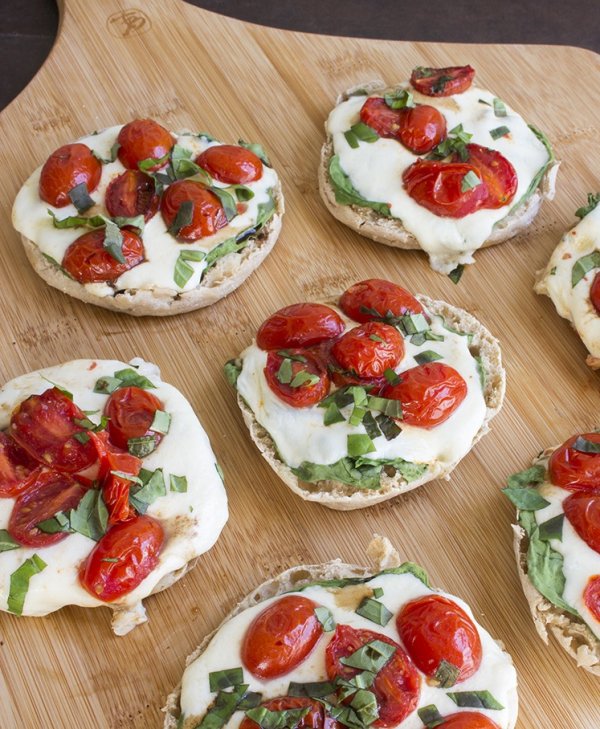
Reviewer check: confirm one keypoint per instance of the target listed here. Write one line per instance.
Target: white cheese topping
(192, 520)
(30, 217)
(375, 170)
(300, 435)
(496, 673)
(573, 302)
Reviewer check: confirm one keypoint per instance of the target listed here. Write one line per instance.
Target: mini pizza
(434, 163)
(572, 278)
(557, 544)
(334, 645)
(109, 489)
(355, 401)
(142, 220)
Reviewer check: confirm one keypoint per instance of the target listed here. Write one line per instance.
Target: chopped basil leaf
(352, 139)
(341, 398)
(370, 426)
(584, 265)
(427, 356)
(475, 699)
(250, 700)
(399, 99)
(257, 149)
(552, 528)
(219, 680)
(107, 385)
(391, 376)
(469, 181)
(90, 517)
(377, 592)
(583, 445)
(227, 201)
(231, 245)
(360, 473)
(147, 164)
(81, 437)
(179, 483)
(359, 444)
(7, 543)
(553, 271)
(142, 446)
(375, 338)
(80, 197)
(540, 173)
(285, 371)
(183, 271)
(455, 143)
(60, 522)
(388, 427)
(183, 218)
(153, 488)
(232, 371)
(456, 273)
(429, 715)
(161, 422)
(304, 378)
(364, 132)
(224, 707)
(498, 132)
(77, 221)
(374, 611)
(135, 222)
(447, 674)
(313, 690)
(292, 356)
(64, 391)
(266, 211)
(592, 203)
(123, 378)
(19, 582)
(533, 475)
(346, 193)
(391, 408)
(333, 415)
(499, 107)
(127, 476)
(285, 719)
(325, 617)
(525, 498)
(365, 705)
(372, 656)
(411, 323)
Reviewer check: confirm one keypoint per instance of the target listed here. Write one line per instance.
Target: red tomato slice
(299, 325)
(231, 164)
(131, 411)
(281, 637)
(47, 492)
(66, 168)
(381, 117)
(438, 186)
(143, 139)
(591, 596)
(44, 426)
(467, 720)
(583, 512)
(369, 349)
(299, 394)
(434, 629)
(442, 81)
(397, 685)
(135, 545)
(208, 214)
(88, 261)
(317, 717)
(574, 470)
(422, 128)
(595, 293)
(377, 295)
(15, 466)
(429, 394)
(130, 194)
(498, 174)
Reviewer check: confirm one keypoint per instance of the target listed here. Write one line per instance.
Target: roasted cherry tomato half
(281, 637)
(44, 426)
(442, 81)
(576, 470)
(429, 394)
(467, 720)
(47, 492)
(15, 466)
(369, 349)
(130, 411)
(591, 596)
(595, 293)
(434, 629)
(375, 298)
(231, 164)
(123, 558)
(317, 717)
(208, 214)
(66, 168)
(439, 187)
(583, 512)
(299, 325)
(130, 194)
(497, 173)
(88, 261)
(144, 139)
(386, 121)
(397, 685)
(423, 128)
(300, 382)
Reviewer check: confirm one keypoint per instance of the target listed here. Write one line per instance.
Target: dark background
(28, 27)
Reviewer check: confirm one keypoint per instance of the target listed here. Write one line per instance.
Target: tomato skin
(497, 173)
(43, 425)
(432, 629)
(573, 470)
(397, 685)
(143, 139)
(380, 295)
(131, 411)
(47, 492)
(67, 167)
(442, 81)
(467, 720)
(595, 293)
(299, 325)
(357, 352)
(583, 512)
(136, 544)
(317, 717)
(208, 214)
(88, 261)
(305, 395)
(231, 164)
(591, 596)
(130, 194)
(386, 121)
(281, 637)
(423, 128)
(429, 394)
(15, 466)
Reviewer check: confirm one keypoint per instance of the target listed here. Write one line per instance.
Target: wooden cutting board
(115, 60)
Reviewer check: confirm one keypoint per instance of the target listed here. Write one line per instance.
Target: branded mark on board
(128, 23)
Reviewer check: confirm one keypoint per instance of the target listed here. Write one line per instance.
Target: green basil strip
(359, 444)
(231, 245)
(81, 437)
(583, 445)
(430, 716)
(90, 517)
(285, 372)
(372, 656)
(552, 528)
(107, 385)
(135, 222)
(229, 677)
(180, 484)
(499, 132)
(19, 582)
(128, 377)
(391, 376)
(469, 181)
(377, 592)
(592, 203)
(583, 266)
(161, 422)
(250, 701)
(391, 408)
(475, 700)
(412, 324)
(80, 197)
(225, 706)
(525, 498)
(346, 193)
(359, 472)
(388, 427)
(428, 356)
(7, 543)
(499, 107)
(60, 522)
(352, 139)
(183, 218)
(256, 149)
(364, 132)
(142, 446)
(286, 719)
(374, 611)
(62, 390)
(153, 488)
(147, 164)
(232, 370)
(447, 674)
(399, 99)
(325, 617)
(456, 273)
(314, 690)
(77, 221)
(333, 415)
(364, 704)
(227, 201)
(183, 271)
(128, 477)
(535, 474)
(304, 378)
(266, 211)
(370, 426)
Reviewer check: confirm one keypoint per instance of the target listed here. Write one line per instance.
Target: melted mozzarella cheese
(573, 302)
(30, 217)
(300, 435)
(496, 673)
(375, 170)
(192, 520)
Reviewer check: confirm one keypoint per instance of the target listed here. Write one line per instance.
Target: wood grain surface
(116, 60)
